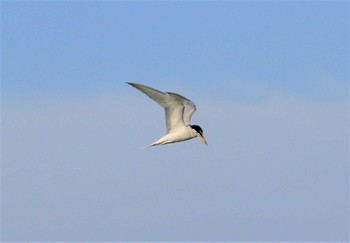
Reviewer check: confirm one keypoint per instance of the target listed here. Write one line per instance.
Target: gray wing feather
(189, 105)
(174, 108)
(154, 94)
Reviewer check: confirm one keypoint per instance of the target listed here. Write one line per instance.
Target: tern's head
(199, 132)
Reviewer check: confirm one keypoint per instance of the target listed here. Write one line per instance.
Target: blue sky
(270, 81)
(82, 46)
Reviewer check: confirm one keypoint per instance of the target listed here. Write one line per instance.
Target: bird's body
(179, 135)
(178, 112)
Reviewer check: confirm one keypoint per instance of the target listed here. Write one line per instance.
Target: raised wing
(174, 108)
(190, 107)
(156, 95)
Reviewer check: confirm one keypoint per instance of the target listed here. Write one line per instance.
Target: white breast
(177, 136)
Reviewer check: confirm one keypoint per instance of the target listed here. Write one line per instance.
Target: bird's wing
(190, 107)
(174, 108)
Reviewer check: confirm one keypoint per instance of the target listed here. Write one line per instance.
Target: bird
(178, 113)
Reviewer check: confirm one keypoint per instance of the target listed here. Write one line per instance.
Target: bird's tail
(151, 145)
(159, 142)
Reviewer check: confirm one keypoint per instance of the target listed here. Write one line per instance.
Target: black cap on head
(200, 133)
(197, 128)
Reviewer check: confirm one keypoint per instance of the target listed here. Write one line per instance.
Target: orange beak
(203, 139)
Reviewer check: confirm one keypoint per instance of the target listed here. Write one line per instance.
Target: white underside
(176, 136)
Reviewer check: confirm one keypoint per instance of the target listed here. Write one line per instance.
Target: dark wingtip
(132, 84)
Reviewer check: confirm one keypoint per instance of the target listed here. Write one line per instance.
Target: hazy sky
(271, 84)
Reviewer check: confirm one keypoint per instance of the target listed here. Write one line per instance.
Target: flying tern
(178, 113)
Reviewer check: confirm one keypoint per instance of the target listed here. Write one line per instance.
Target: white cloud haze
(73, 167)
